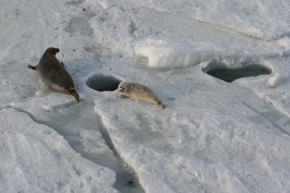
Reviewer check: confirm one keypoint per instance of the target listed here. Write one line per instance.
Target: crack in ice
(80, 139)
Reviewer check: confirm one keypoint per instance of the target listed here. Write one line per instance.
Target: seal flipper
(75, 94)
(32, 67)
(122, 96)
(159, 103)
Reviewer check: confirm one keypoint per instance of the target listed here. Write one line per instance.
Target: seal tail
(75, 94)
(31, 67)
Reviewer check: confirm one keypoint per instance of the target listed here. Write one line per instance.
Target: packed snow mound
(284, 43)
(40, 160)
(177, 54)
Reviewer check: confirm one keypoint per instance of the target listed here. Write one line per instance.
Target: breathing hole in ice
(102, 83)
(231, 74)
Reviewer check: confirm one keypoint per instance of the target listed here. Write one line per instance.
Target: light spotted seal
(139, 92)
(53, 74)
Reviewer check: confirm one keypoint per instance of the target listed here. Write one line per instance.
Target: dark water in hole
(103, 83)
(229, 75)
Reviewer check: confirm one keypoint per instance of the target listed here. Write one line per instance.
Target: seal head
(122, 87)
(52, 51)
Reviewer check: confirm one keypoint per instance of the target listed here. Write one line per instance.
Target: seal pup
(53, 74)
(139, 92)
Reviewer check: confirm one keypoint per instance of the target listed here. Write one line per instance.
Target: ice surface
(84, 131)
(203, 148)
(34, 158)
(211, 137)
(260, 19)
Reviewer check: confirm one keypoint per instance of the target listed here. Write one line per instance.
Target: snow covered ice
(213, 136)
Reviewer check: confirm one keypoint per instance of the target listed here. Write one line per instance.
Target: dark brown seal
(53, 74)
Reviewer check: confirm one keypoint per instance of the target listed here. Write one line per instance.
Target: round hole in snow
(103, 83)
(231, 74)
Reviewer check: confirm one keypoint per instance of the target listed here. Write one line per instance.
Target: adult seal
(139, 92)
(53, 74)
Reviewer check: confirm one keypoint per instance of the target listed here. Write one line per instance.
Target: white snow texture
(213, 136)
